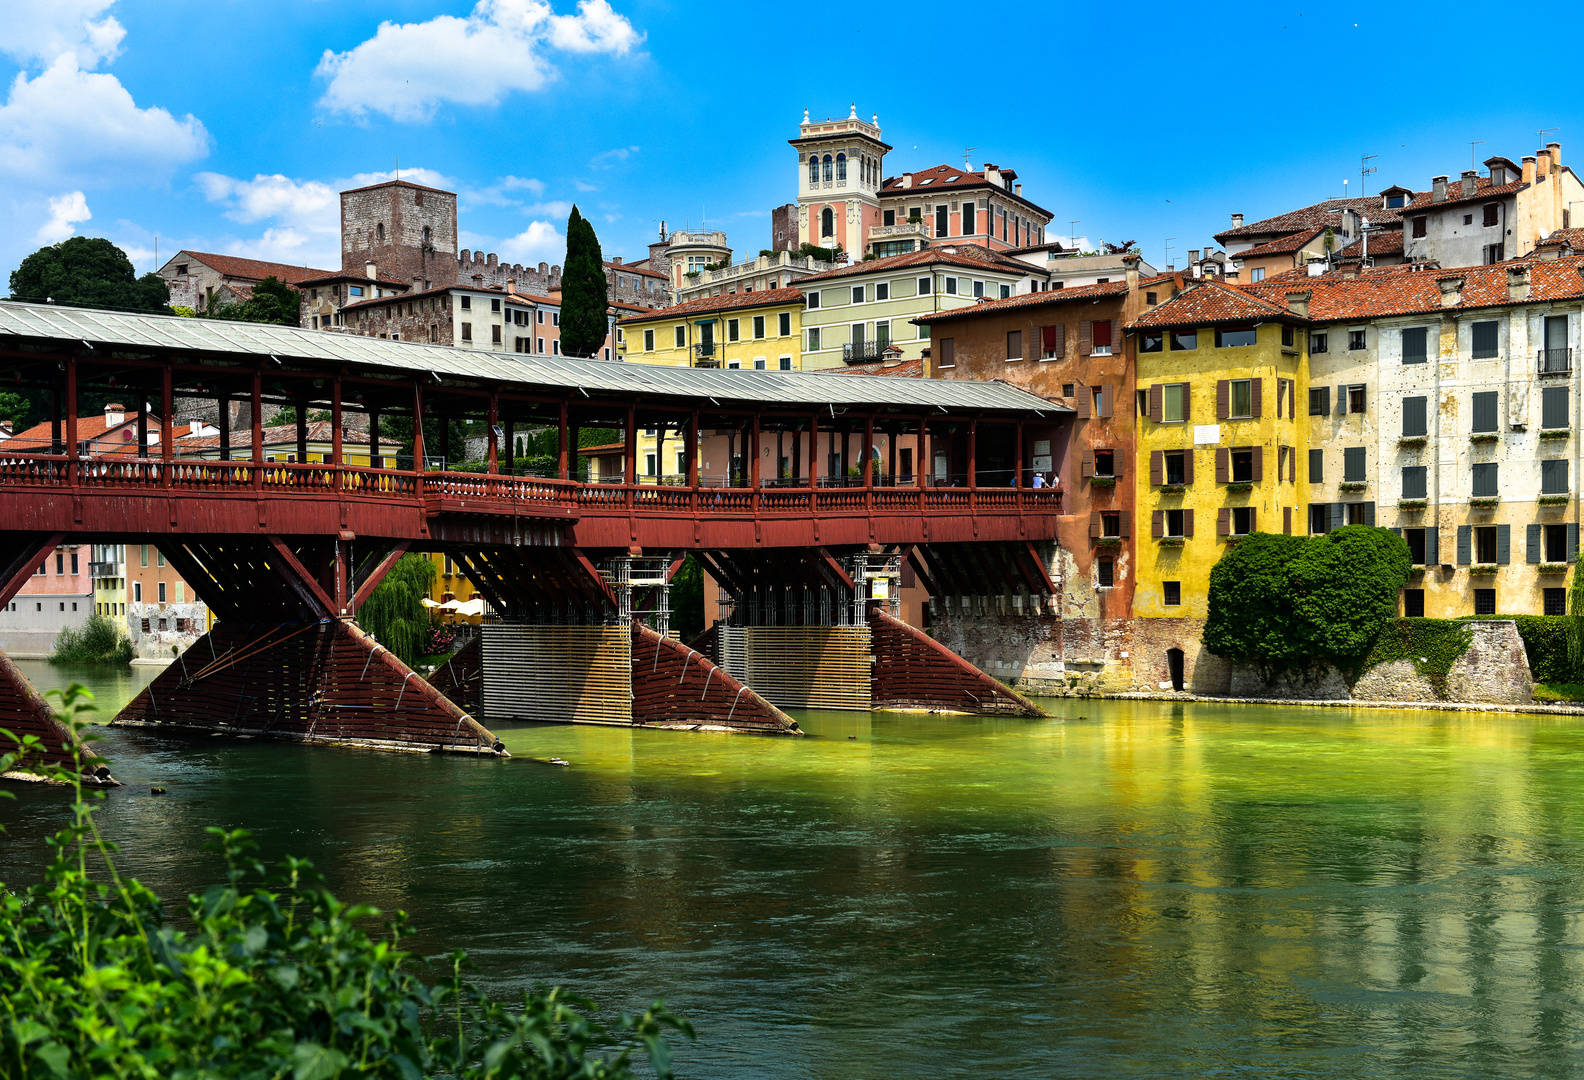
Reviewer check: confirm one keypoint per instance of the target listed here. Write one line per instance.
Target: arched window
(841, 166)
(813, 168)
(827, 168)
(379, 232)
(428, 236)
(827, 222)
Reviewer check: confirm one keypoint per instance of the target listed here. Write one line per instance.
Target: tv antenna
(1169, 240)
(1543, 132)
(1072, 234)
(1365, 168)
(1472, 144)
(967, 166)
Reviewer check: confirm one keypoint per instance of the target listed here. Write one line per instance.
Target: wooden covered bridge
(809, 547)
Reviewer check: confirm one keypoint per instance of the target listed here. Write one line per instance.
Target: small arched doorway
(1174, 667)
(827, 222)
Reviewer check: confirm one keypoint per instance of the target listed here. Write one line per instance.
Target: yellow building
(1220, 376)
(751, 330)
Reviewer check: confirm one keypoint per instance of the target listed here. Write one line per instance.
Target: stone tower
(408, 231)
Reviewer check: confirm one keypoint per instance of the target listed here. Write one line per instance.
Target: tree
(273, 301)
(394, 612)
(585, 293)
(15, 408)
(88, 271)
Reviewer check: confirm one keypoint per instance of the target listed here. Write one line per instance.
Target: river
(1132, 889)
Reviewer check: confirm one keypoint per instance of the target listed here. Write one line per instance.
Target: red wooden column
(797, 459)
(692, 447)
(418, 439)
(258, 429)
(631, 454)
(813, 462)
(72, 468)
(1017, 464)
(561, 460)
(167, 426)
(973, 451)
(337, 458)
(892, 437)
(494, 443)
(753, 468)
(921, 453)
(868, 463)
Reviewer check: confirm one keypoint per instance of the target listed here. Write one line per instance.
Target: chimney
(1451, 291)
(1528, 169)
(1298, 302)
(370, 271)
(511, 286)
(1556, 154)
(1438, 186)
(1469, 177)
(1130, 265)
(115, 413)
(1315, 267)
(1518, 282)
(907, 179)
(617, 260)
(5, 429)
(1549, 249)
(1237, 221)
(1017, 189)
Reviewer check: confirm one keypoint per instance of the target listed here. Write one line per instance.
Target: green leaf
(310, 1061)
(285, 976)
(29, 1031)
(56, 1056)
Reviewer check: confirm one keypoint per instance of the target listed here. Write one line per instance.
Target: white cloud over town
(538, 243)
(40, 31)
(65, 211)
(406, 71)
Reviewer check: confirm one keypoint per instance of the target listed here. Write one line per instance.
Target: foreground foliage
(1431, 645)
(1288, 601)
(97, 641)
(276, 978)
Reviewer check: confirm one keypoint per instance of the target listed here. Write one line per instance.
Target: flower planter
(1553, 568)
(1241, 485)
(1173, 489)
(1102, 481)
(1559, 433)
(1411, 443)
(1411, 504)
(1553, 500)
(1352, 485)
(1484, 437)
(1108, 542)
(1485, 502)
(1172, 541)
(1483, 569)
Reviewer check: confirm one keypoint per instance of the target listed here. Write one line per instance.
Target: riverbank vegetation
(97, 641)
(271, 977)
(394, 611)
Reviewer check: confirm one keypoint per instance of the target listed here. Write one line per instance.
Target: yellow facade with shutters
(1220, 452)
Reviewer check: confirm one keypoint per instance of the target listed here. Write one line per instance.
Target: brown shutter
(1124, 523)
(1259, 463)
(1224, 522)
(1116, 337)
(1187, 522)
(1155, 398)
(1256, 395)
(1223, 398)
(1281, 389)
(1157, 523)
(1061, 341)
(1086, 467)
(1221, 465)
(1082, 394)
(1287, 520)
(1188, 458)
(1094, 525)
(1157, 468)
(1187, 410)
(1085, 338)
(1107, 401)
(1253, 518)
(1118, 462)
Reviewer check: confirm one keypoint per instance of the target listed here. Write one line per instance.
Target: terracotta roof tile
(1029, 300)
(905, 369)
(940, 178)
(625, 268)
(1209, 301)
(1482, 190)
(1321, 214)
(1284, 246)
(1406, 290)
(254, 269)
(729, 302)
(1386, 242)
(928, 257)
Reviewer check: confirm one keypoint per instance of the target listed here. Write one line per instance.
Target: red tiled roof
(1210, 301)
(253, 269)
(375, 301)
(1027, 300)
(1320, 214)
(1284, 246)
(1406, 290)
(1482, 190)
(927, 257)
(941, 178)
(319, 431)
(1388, 242)
(626, 268)
(729, 302)
(904, 369)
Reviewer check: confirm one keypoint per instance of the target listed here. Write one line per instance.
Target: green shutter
(1572, 542)
(1465, 545)
(1504, 544)
(1369, 513)
(1432, 546)
(1532, 542)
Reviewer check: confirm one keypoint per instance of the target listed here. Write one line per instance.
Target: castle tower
(408, 231)
(841, 164)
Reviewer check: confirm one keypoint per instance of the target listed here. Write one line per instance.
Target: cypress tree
(585, 294)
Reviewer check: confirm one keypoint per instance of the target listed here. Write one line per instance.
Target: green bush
(274, 978)
(1251, 612)
(97, 641)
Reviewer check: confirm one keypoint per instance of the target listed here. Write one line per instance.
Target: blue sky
(229, 126)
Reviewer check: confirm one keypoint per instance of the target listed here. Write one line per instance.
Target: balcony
(904, 229)
(106, 570)
(868, 352)
(1555, 361)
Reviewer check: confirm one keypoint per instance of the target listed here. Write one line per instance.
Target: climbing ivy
(1432, 645)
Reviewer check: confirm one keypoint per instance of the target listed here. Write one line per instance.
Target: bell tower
(841, 164)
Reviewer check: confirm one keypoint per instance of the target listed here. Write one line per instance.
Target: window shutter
(1309, 510)
(1369, 513)
(1094, 525)
(1116, 336)
(1082, 402)
(1085, 338)
(1221, 465)
(1224, 522)
(1188, 458)
(1504, 544)
(1061, 340)
(1432, 546)
(1086, 466)
(1281, 390)
(1157, 523)
(1125, 523)
(1256, 397)
(1341, 403)
(1532, 542)
(1465, 546)
(1118, 460)
(1155, 397)
(1187, 412)
(1364, 398)
(1325, 402)
(1253, 519)
(1287, 520)
(1157, 469)
(1259, 462)
(1572, 542)
(1338, 516)
(1107, 401)
(1223, 398)
(1187, 522)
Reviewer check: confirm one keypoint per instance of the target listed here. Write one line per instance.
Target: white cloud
(583, 185)
(612, 158)
(407, 70)
(70, 125)
(44, 30)
(539, 242)
(499, 193)
(64, 210)
(270, 197)
(559, 209)
(427, 177)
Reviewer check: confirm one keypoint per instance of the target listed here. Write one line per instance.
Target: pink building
(58, 595)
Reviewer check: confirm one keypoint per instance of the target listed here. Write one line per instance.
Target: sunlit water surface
(1133, 889)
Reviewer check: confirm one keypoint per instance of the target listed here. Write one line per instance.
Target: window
(60, 563)
(1555, 601)
(680, 335)
(923, 286)
(1171, 593)
(1484, 334)
(1414, 482)
(941, 219)
(1355, 399)
(1492, 215)
(951, 286)
(813, 169)
(1235, 336)
(1419, 224)
(1485, 480)
(814, 339)
(1554, 407)
(1486, 548)
(1105, 465)
(1413, 603)
(1468, 219)
(1174, 403)
(467, 331)
(1494, 253)
(1110, 523)
(1175, 470)
(1242, 471)
(786, 363)
(858, 294)
(1006, 291)
(1152, 342)
(1414, 422)
(827, 222)
(1553, 476)
(1185, 340)
(1174, 523)
(1288, 336)
(841, 166)
(969, 226)
(1317, 466)
(1415, 539)
(1014, 342)
(1413, 344)
(813, 299)
(732, 330)
(882, 290)
(948, 352)
(1151, 298)
(1485, 411)
(1258, 274)
(1317, 343)
(759, 326)
(495, 304)
(649, 464)
(1555, 548)
(137, 592)
(784, 324)
(648, 340)
(1484, 601)
(74, 563)
(1355, 340)
(1241, 399)
(1242, 520)
(495, 335)
(888, 217)
(541, 345)
(161, 592)
(1106, 572)
(978, 289)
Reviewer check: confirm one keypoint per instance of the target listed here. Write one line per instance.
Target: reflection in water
(1155, 890)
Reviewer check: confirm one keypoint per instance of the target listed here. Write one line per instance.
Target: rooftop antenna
(1365, 168)
(398, 168)
(1072, 236)
(967, 165)
(1169, 240)
(1472, 144)
(1543, 132)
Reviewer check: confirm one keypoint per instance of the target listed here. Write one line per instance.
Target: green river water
(1134, 889)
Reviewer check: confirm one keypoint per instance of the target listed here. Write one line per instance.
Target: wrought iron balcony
(864, 352)
(104, 569)
(1555, 361)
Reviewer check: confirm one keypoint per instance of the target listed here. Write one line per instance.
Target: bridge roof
(239, 341)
